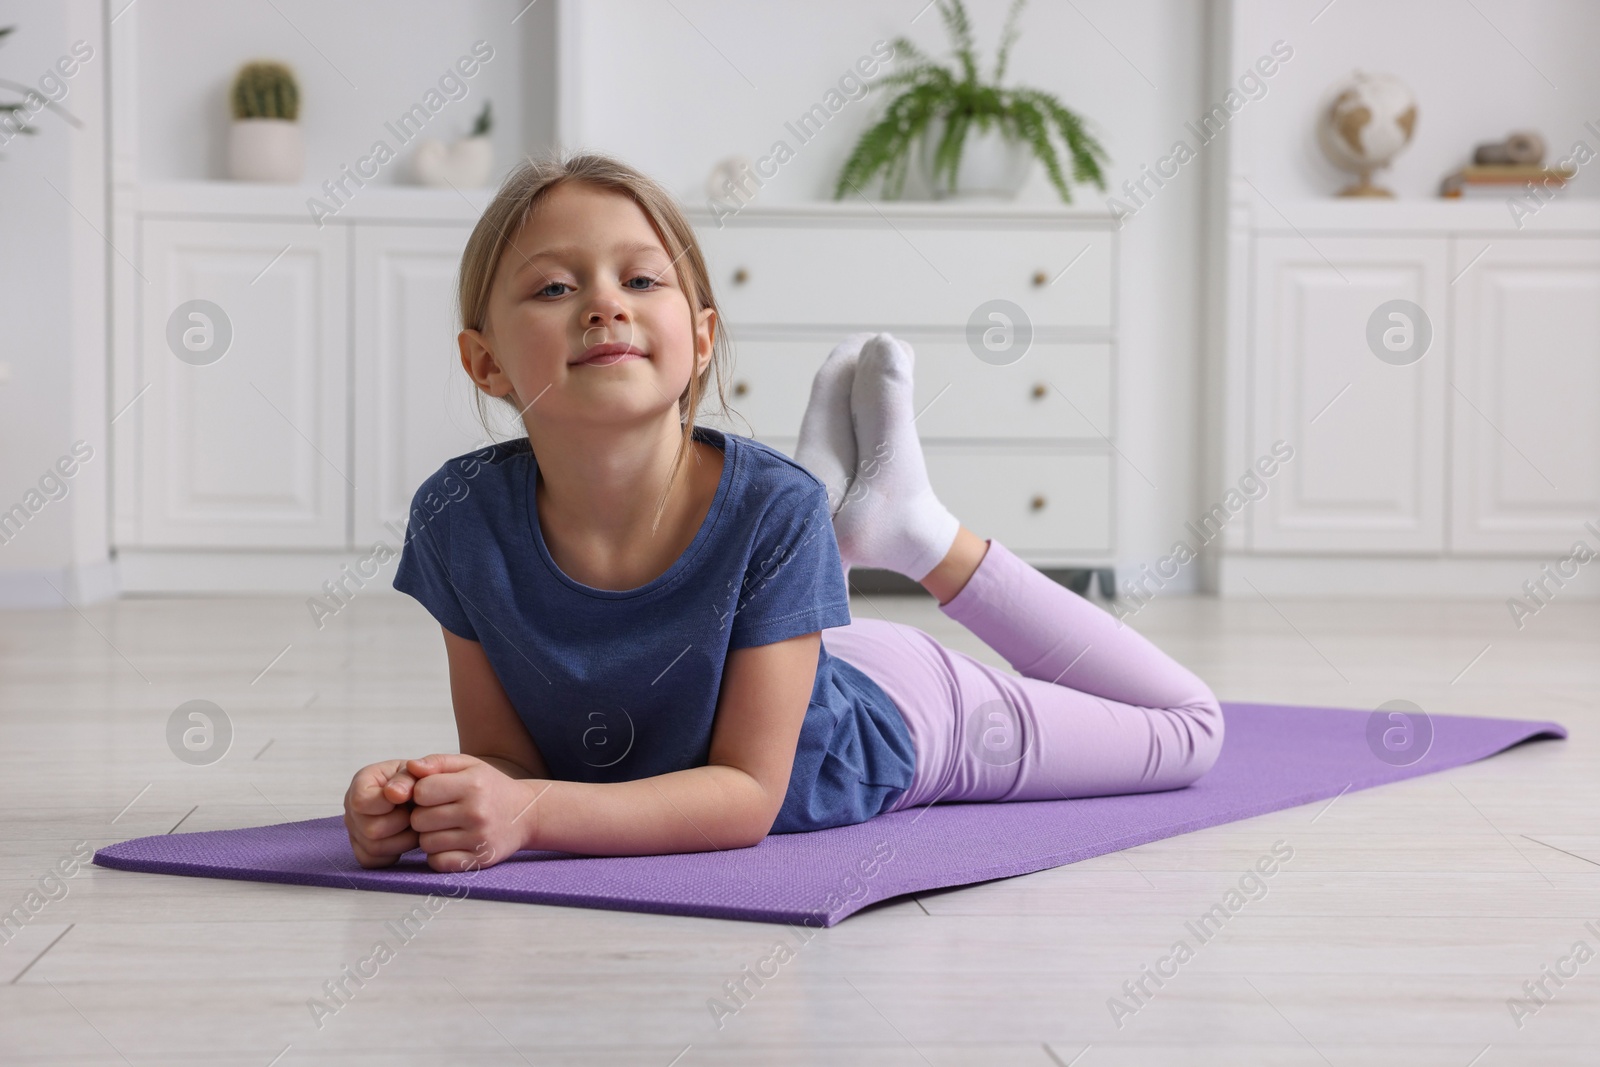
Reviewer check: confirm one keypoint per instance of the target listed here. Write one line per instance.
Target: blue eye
(649, 283)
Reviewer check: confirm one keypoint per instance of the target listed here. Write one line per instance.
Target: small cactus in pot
(265, 90)
(265, 142)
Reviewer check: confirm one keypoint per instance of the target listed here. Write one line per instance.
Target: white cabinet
(342, 389)
(249, 450)
(1525, 399)
(1368, 470)
(1456, 473)
(1020, 451)
(413, 401)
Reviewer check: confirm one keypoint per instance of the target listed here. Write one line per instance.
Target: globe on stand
(1370, 119)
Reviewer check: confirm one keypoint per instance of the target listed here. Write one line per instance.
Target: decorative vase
(465, 164)
(266, 150)
(992, 167)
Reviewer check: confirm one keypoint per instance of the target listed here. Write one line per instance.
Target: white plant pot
(992, 167)
(266, 150)
(465, 164)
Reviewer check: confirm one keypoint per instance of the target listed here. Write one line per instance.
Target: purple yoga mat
(1273, 757)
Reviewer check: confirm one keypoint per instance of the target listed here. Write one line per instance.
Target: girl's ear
(705, 333)
(477, 359)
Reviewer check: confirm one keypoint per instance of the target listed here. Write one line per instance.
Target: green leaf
(947, 156)
(883, 144)
(1008, 37)
(1031, 124)
(912, 52)
(921, 75)
(1087, 153)
(960, 29)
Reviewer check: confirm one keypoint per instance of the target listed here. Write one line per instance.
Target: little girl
(647, 621)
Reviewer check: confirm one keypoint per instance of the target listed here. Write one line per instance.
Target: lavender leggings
(1099, 709)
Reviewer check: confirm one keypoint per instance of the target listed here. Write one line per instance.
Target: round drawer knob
(1040, 279)
(741, 388)
(741, 276)
(1037, 503)
(1040, 391)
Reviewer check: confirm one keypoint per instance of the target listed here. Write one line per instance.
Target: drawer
(907, 275)
(1056, 391)
(1053, 507)
(1034, 502)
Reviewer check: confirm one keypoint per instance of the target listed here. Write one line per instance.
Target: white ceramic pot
(464, 164)
(992, 167)
(266, 150)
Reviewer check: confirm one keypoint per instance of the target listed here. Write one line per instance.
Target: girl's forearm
(703, 809)
(509, 768)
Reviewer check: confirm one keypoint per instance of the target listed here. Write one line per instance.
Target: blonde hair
(521, 192)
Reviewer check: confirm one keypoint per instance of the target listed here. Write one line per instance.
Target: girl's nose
(606, 309)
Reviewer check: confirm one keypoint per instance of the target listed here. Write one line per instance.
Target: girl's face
(587, 322)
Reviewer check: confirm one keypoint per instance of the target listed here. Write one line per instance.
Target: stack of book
(1502, 179)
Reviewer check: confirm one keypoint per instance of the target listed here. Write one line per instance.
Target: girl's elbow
(747, 833)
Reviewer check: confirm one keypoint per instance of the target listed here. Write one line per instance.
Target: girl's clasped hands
(464, 813)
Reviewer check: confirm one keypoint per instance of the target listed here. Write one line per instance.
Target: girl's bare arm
(731, 802)
(487, 725)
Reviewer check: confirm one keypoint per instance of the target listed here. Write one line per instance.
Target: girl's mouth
(607, 354)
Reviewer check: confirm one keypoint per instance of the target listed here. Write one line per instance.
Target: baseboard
(56, 587)
(1390, 577)
(875, 582)
(182, 572)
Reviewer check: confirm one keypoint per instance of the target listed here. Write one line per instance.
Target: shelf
(407, 203)
(242, 200)
(1570, 215)
(924, 211)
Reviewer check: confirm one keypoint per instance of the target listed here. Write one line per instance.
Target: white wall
(695, 81)
(360, 63)
(52, 302)
(1477, 70)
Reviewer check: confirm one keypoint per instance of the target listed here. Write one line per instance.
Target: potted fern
(971, 138)
(264, 142)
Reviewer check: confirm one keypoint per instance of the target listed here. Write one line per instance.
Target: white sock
(891, 517)
(827, 444)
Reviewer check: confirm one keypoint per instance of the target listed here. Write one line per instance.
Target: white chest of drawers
(1020, 448)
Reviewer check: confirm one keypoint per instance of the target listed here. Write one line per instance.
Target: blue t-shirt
(615, 685)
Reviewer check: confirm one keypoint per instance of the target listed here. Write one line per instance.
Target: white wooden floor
(1406, 920)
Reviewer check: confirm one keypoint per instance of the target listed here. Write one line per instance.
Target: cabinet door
(248, 450)
(414, 402)
(1368, 467)
(1525, 400)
